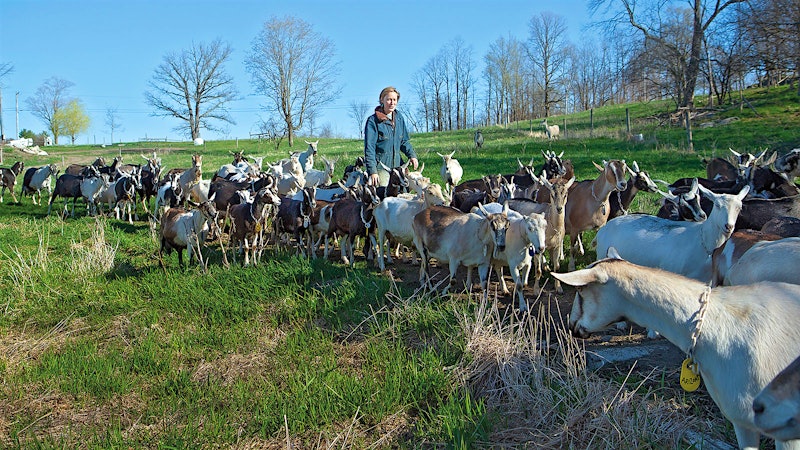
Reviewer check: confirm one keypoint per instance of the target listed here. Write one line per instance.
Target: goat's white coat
(749, 333)
(767, 261)
(41, 179)
(395, 215)
(525, 235)
(681, 247)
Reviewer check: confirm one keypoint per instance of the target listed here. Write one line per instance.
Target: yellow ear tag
(258, 227)
(690, 376)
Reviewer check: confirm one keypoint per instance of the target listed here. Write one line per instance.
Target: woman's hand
(373, 180)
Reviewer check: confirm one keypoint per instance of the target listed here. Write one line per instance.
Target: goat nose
(728, 228)
(758, 407)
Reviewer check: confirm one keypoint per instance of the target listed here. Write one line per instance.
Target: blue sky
(110, 49)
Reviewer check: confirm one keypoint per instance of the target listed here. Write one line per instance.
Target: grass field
(102, 348)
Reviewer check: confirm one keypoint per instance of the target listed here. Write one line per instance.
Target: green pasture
(101, 347)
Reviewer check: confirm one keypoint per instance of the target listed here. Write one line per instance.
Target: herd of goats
(714, 271)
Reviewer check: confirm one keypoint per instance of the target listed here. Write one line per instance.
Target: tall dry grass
(532, 375)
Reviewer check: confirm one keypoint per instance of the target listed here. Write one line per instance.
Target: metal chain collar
(701, 313)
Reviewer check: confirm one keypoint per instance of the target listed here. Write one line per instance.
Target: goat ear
(612, 253)
(771, 159)
(193, 204)
(213, 196)
(384, 167)
(582, 277)
(743, 193)
(562, 154)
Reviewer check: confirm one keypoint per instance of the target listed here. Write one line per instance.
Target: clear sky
(110, 49)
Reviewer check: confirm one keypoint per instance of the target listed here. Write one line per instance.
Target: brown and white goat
(248, 223)
(459, 239)
(352, 217)
(186, 229)
(776, 260)
(588, 206)
(294, 216)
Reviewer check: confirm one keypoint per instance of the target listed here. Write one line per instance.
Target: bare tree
(505, 76)
(294, 68)
(112, 120)
(51, 96)
(648, 21)
(770, 27)
(547, 50)
(192, 85)
(359, 110)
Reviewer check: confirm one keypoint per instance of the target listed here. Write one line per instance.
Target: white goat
(394, 217)
(749, 333)
(317, 178)
(552, 131)
(181, 229)
(681, 247)
(451, 171)
(767, 261)
(524, 238)
(777, 406)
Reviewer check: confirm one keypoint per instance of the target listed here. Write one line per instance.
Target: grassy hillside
(100, 347)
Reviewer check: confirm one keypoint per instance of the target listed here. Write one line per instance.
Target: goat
(554, 166)
(468, 194)
(451, 171)
(8, 179)
(525, 237)
(358, 165)
(681, 247)
(756, 212)
(554, 214)
(91, 186)
(248, 223)
(552, 131)
(397, 184)
(352, 217)
(588, 205)
(317, 178)
(149, 179)
(749, 333)
(181, 229)
(77, 169)
(638, 181)
(683, 206)
(125, 187)
(459, 239)
(225, 191)
(36, 179)
(189, 177)
(67, 186)
(169, 195)
(478, 140)
(294, 216)
(320, 224)
(775, 260)
(783, 226)
(306, 158)
(788, 165)
(726, 255)
(394, 218)
(776, 408)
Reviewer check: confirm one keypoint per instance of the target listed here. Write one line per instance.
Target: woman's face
(389, 102)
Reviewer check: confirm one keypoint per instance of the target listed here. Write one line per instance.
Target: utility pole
(16, 136)
(2, 134)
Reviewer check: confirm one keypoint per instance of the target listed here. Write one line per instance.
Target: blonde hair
(387, 90)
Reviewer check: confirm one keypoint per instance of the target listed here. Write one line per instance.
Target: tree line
(634, 51)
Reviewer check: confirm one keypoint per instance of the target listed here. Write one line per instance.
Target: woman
(385, 137)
